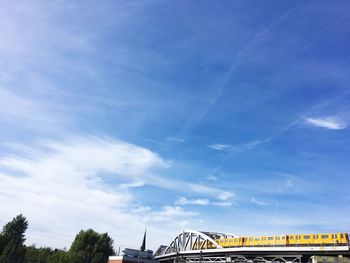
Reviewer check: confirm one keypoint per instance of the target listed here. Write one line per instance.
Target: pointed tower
(143, 246)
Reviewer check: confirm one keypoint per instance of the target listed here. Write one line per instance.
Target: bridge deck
(300, 250)
(196, 246)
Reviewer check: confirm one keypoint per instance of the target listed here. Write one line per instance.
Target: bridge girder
(195, 246)
(189, 240)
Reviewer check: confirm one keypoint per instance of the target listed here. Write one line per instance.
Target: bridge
(192, 246)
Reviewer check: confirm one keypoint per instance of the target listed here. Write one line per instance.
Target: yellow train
(334, 239)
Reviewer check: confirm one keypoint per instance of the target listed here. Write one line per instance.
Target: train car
(268, 241)
(335, 239)
(293, 240)
(249, 242)
(258, 241)
(302, 240)
(231, 242)
(281, 240)
(236, 242)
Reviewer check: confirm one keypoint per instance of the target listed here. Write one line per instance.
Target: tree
(88, 247)
(37, 255)
(12, 240)
(2, 243)
(61, 256)
(92, 247)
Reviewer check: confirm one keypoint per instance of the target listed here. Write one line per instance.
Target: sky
(225, 116)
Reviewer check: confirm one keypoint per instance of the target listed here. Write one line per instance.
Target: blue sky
(228, 116)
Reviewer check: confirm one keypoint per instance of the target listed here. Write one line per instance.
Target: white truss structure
(190, 240)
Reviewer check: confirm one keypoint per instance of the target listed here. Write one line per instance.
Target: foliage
(61, 256)
(2, 243)
(37, 255)
(47, 255)
(92, 247)
(88, 247)
(12, 240)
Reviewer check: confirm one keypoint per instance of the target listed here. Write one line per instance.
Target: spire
(143, 246)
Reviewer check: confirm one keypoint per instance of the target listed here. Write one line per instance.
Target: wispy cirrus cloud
(62, 182)
(203, 202)
(224, 196)
(185, 186)
(53, 179)
(220, 147)
(71, 68)
(169, 212)
(185, 201)
(330, 122)
(175, 139)
(258, 202)
(211, 178)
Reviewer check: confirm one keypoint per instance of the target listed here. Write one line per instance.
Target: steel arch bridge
(189, 240)
(192, 246)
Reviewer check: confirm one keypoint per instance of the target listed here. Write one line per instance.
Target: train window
(334, 236)
(270, 238)
(315, 236)
(257, 239)
(283, 238)
(324, 236)
(278, 238)
(341, 236)
(291, 237)
(251, 239)
(307, 237)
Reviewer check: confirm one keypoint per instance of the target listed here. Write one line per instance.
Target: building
(133, 256)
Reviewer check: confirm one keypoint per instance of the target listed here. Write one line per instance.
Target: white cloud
(132, 184)
(82, 182)
(331, 122)
(211, 178)
(260, 203)
(253, 144)
(185, 201)
(225, 196)
(142, 210)
(201, 202)
(181, 224)
(220, 147)
(182, 186)
(171, 212)
(60, 187)
(221, 203)
(289, 183)
(175, 139)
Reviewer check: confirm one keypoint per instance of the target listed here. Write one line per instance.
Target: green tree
(92, 247)
(61, 256)
(13, 237)
(37, 255)
(2, 243)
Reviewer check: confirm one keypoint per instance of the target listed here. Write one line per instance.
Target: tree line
(87, 247)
